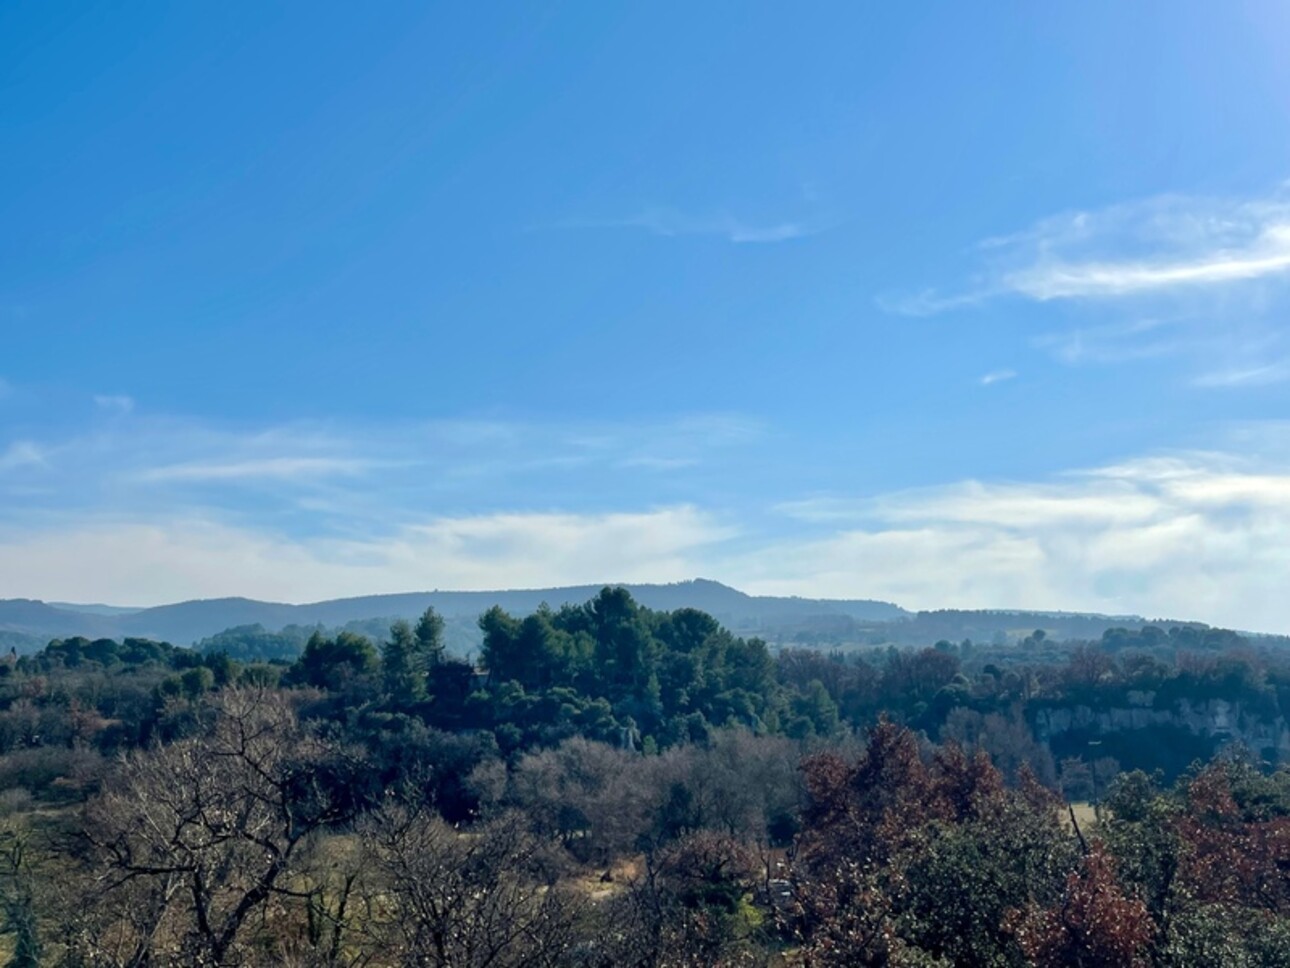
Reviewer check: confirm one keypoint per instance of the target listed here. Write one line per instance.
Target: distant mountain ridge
(28, 624)
(187, 622)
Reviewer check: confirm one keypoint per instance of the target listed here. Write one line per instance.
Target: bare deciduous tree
(191, 841)
(463, 899)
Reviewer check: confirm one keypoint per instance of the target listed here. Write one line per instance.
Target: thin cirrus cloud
(1118, 342)
(267, 468)
(22, 453)
(997, 376)
(373, 475)
(1204, 278)
(1266, 252)
(149, 509)
(1261, 374)
(114, 402)
(651, 463)
(1165, 244)
(670, 223)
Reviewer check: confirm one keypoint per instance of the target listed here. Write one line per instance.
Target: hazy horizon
(593, 585)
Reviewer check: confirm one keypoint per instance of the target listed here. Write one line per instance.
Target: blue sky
(944, 304)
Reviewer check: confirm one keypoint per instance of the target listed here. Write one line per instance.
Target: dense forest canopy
(378, 800)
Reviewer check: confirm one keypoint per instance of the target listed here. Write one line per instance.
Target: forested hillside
(241, 624)
(613, 785)
(186, 622)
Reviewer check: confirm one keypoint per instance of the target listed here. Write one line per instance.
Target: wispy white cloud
(671, 223)
(114, 403)
(1198, 534)
(1277, 371)
(170, 559)
(266, 468)
(1205, 279)
(1118, 342)
(351, 477)
(1266, 254)
(1164, 244)
(997, 376)
(655, 463)
(22, 453)
(930, 302)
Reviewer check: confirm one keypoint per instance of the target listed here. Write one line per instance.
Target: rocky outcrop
(1220, 719)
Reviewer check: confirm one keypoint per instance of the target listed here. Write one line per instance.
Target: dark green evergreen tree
(429, 635)
(402, 666)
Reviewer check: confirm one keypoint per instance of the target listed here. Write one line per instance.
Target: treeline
(258, 839)
(615, 672)
(255, 643)
(611, 785)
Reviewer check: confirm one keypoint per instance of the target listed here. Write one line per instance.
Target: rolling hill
(187, 622)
